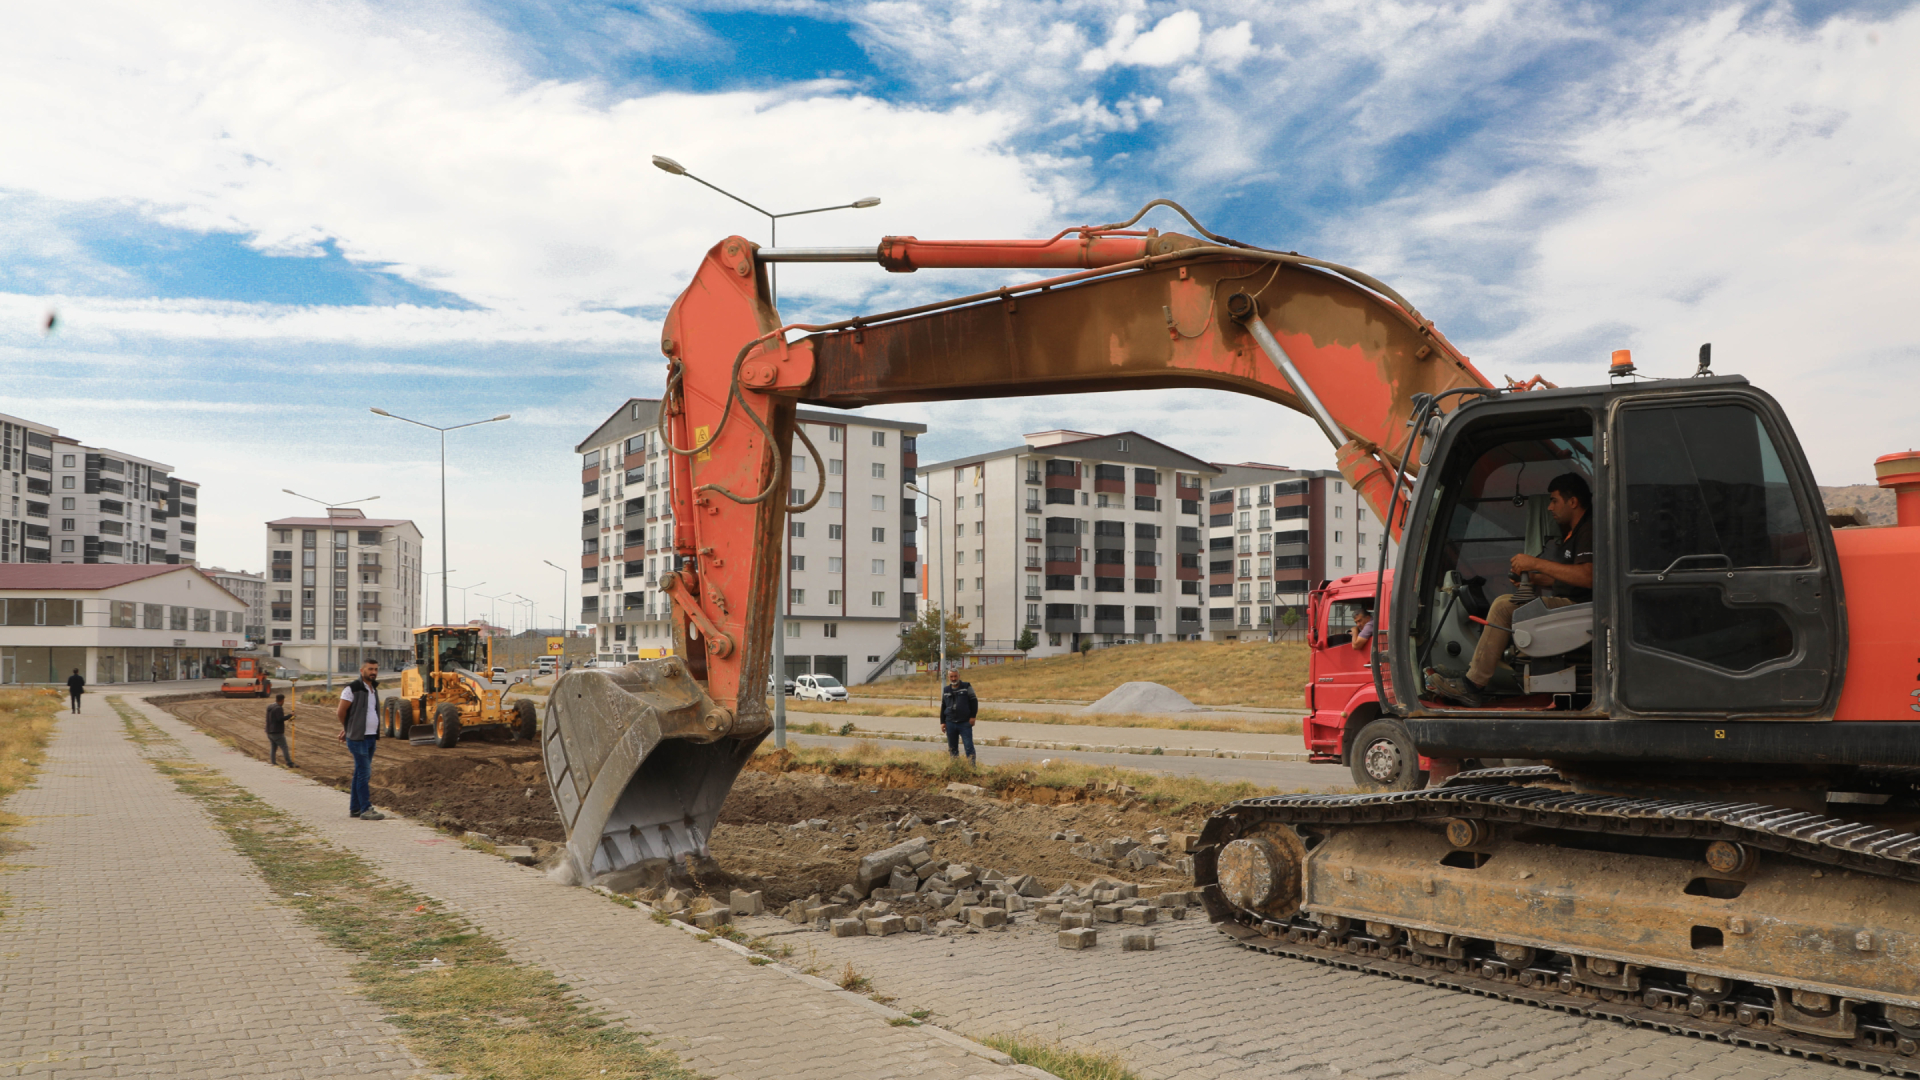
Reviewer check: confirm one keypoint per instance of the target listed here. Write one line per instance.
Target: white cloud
(1171, 40)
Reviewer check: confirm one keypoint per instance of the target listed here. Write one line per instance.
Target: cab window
(1342, 617)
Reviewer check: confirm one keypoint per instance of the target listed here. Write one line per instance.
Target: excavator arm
(1135, 310)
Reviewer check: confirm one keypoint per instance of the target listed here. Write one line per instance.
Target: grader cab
(450, 691)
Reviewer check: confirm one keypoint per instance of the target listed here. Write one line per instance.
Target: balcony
(1035, 565)
(1033, 506)
(1062, 626)
(1033, 593)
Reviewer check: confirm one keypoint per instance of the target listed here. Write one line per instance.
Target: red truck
(1344, 724)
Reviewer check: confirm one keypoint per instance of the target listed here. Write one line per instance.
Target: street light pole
(779, 680)
(377, 411)
(565, 614)
(939, 568)
(316, 573)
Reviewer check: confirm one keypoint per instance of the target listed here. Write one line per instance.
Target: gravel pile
(1142, 697)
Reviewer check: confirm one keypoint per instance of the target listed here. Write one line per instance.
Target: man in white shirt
(360, 726)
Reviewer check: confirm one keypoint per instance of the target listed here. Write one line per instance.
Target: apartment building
(366, 569)
(851, 558)
(1272, 534)
(72, 503)
(251, 588)
(1071, 536)
(115, 623)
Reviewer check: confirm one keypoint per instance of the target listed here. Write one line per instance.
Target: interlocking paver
(723, 1016)
(137, 942)
(1200, 1006)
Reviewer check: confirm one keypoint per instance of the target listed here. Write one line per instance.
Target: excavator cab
(1716, 593)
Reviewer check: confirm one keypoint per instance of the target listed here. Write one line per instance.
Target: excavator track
(1369, 895)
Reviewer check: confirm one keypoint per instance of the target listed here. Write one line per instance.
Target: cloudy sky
(257, 220)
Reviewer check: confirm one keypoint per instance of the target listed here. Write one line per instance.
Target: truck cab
(1344, 723)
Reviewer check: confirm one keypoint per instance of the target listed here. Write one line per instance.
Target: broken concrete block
(1177, 913)
(713, 918)
(962, 879)
(1016, 903)
(1138, 916)
(879, 866)
(1138, 941)
(1105, 896)
(826, 911)
(847, 928)
(886, 895)
(986, 917)
(946, 823)
(916, 924)
(1142, 857)
(1049, 914)
(849, 894)
(747, 903)
(1058, 836)
(1069, 921)
(885, 925)
(1083, 937)
(1127, 891)
(969, 838)
(1171, 900)
(516, 853)
(1114, 849)
(958, 788)
(1185, 842)
(797, 913)
(1107, 913)
(1079, 907)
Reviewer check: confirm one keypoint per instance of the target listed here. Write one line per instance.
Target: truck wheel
(1384, 758)
(402, 718)
(446, 726)
(386, 719)
(526, 720)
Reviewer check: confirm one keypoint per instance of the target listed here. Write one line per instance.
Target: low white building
(115, 623)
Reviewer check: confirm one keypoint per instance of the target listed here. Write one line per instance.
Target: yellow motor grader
(451, 690)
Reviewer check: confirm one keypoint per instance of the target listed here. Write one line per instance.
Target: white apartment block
(71, 503)
(253, 589)
(346, 585)
(1273, 533)
(1070, 536)
(851, 559)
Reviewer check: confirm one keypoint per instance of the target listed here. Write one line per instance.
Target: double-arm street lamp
(940, 571)
(668, 165)
(377, 411)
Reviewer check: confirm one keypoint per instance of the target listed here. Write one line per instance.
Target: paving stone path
(137, 942)
(1200, 1007)
(725, 1017)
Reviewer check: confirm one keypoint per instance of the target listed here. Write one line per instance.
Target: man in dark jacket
(958, 707)
(277, 731)
(76, 685)
(360, 727)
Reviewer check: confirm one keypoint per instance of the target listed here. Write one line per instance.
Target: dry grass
(1062, 1062)
(1063, 781)
(1256, 674)
(26, 724)
(1018, 716)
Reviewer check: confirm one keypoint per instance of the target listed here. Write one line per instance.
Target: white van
(545, 665)
(818, 688)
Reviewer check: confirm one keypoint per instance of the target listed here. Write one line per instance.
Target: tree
(1086, 647)
(1026, 641)
(920, 643)
(1290, 617)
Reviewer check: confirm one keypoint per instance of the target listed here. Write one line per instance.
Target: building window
(1336, 560)
(879, 470)
(879, 439)
(796, 597)
(879, 567)
(834, 434)
(835, 597)
(879, 534)
(879, 599)
(835, 466)
(797, 528)
(66, 525)
(834, 564)
(799, 464)
(66, 547)
(880, 503)
(833, 532)
(369, 537)
(176, 618)
(67, 503)
(1339, 511)
(830, 629)
(834, 500)
(793, 629)
(796, 562)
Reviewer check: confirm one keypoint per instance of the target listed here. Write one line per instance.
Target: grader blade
(639, 760)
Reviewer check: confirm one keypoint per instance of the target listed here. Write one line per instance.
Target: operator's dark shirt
(1574, 547)
(276, 720)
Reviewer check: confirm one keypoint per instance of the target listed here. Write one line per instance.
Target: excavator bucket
(638, 767)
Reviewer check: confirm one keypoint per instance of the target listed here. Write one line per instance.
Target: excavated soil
(496, 788)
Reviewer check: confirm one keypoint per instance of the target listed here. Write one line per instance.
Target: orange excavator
(1689, 800)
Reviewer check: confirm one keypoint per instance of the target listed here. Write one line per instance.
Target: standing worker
(958, 707)
(76, 685)
(360, 727)
(277, 731)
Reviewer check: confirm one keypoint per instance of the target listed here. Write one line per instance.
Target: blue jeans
(360, 799)
(958, 733)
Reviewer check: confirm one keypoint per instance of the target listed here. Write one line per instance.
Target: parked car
(819, 688)
(499, 674)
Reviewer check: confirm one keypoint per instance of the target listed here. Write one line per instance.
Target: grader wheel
(446, 726)
(526, 721)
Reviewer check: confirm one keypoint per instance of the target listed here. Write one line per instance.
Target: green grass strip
(464, 1006)
(1065, 1063)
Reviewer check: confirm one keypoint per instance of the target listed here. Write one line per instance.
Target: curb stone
(1087, 748)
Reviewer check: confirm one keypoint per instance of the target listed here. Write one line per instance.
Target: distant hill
(1876, 501)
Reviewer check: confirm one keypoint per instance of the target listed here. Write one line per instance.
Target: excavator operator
(1568, 571)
